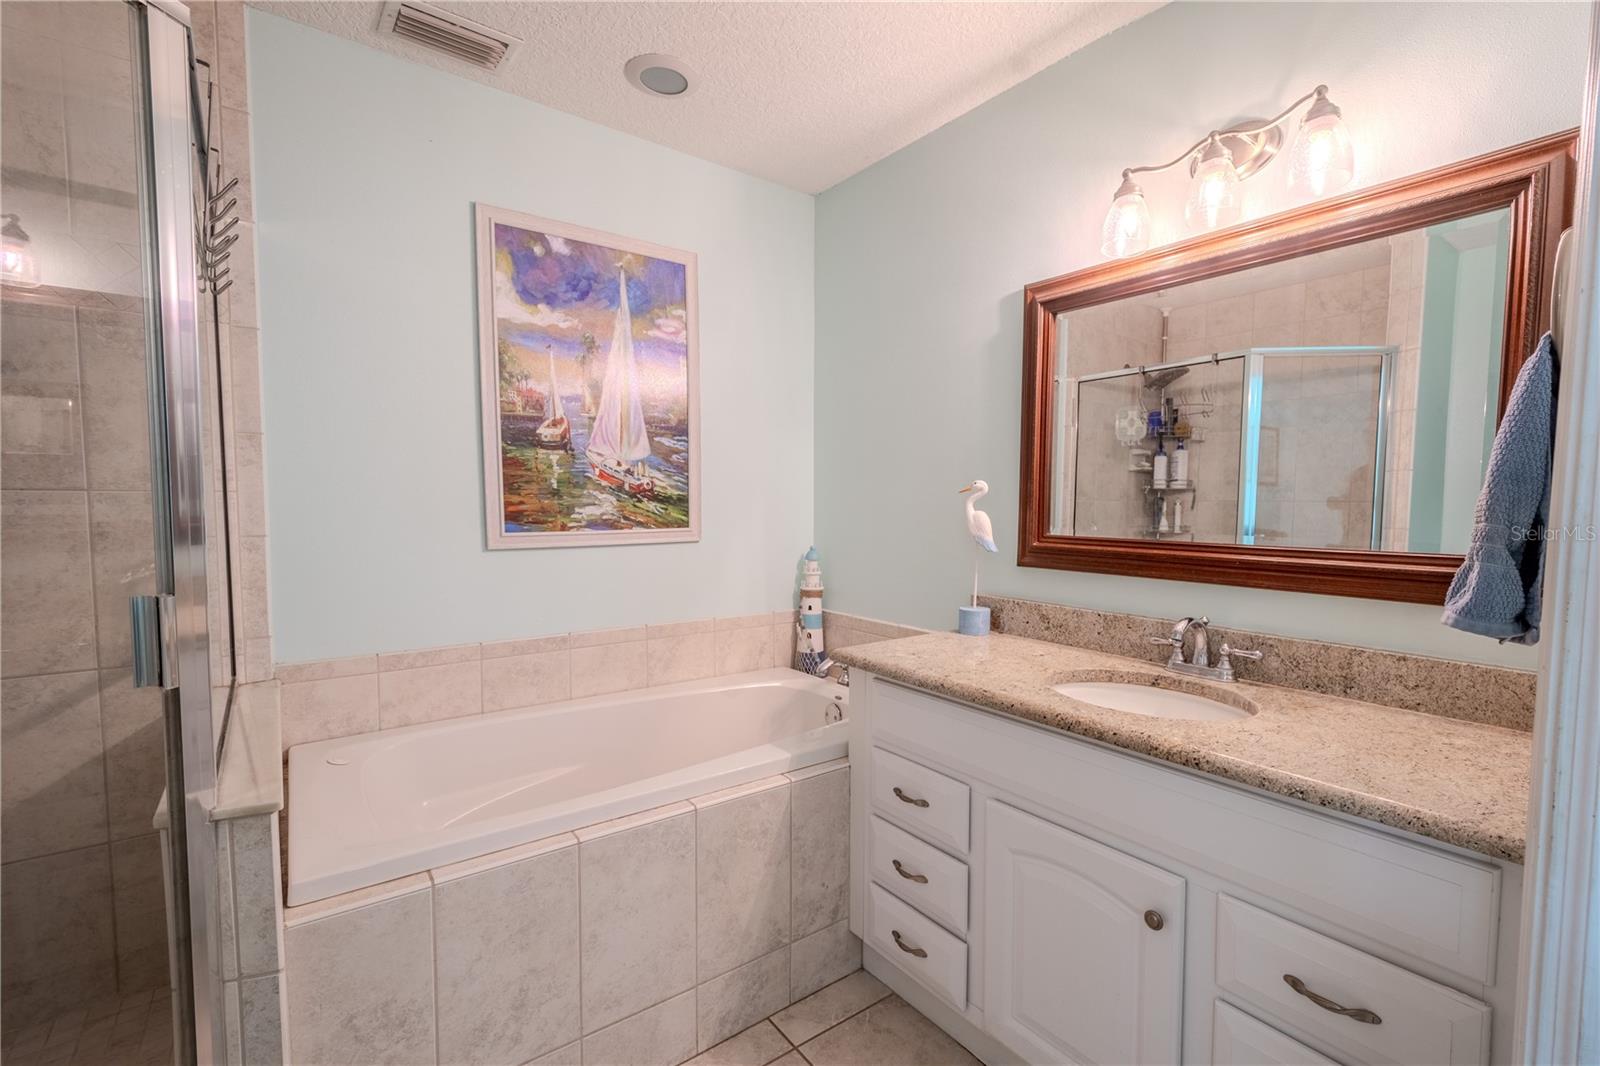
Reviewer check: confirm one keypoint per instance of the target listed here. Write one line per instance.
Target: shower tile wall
(1303, 497)
(1109, 500)
(82, 749)
(219, 42)
(1408, 271)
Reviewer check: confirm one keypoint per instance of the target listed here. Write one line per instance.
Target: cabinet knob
(1154, 920)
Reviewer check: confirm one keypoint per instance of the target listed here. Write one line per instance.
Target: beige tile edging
(365, 693)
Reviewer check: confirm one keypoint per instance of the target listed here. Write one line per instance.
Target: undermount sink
(1156, 702)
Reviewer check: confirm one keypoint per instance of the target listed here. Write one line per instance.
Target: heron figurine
(974, 620)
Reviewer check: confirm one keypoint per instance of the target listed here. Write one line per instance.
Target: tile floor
(132, 1030)
(856, 1021)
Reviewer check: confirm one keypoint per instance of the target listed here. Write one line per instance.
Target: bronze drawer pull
(900, 943)
(920, 879)
(1154, 920)
(903, 798)
(1356, 1014)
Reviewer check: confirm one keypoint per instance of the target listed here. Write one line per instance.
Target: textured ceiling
(805, 94)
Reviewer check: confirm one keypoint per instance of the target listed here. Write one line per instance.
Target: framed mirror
(1303, 402)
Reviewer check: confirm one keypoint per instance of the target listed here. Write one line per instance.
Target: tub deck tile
(632, 821)
(355, 899)
(493, 860)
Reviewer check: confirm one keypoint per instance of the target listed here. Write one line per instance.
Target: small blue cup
(972, 621)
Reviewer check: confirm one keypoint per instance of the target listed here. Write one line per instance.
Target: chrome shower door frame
(1250, 427)
(178, 502)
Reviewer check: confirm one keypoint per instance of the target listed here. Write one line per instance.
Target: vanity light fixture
(1320, 162)
(18, 266)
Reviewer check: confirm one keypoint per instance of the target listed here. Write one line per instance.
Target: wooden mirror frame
(1533, 180)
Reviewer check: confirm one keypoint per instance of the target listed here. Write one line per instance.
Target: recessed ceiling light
(659, 75)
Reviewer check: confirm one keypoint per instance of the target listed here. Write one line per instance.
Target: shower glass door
(1313, 451)
(109, 455)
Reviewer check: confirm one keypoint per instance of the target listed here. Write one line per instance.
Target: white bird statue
(979, 526)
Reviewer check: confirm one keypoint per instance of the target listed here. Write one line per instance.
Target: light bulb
(18, 266)
(1127, 227)
(1321, 161)
(1214, 192)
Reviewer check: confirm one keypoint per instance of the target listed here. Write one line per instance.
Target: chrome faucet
(1200, 664)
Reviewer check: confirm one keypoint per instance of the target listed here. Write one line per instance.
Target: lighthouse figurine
(808, 631)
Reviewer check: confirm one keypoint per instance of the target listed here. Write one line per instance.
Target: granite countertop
(1459, 782)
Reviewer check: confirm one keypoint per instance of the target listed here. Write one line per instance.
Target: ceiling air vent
(443, 31)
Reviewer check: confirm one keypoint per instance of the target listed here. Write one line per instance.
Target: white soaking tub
(370, 808)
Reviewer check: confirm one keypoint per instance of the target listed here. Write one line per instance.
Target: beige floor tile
(891, 1033)
(756, 1046)
(825, 1009)
(793, 1058)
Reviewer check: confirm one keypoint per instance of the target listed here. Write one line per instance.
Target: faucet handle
(1166, 641)
(1238, 653)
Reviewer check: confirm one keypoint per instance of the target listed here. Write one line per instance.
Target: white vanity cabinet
(1052, 900)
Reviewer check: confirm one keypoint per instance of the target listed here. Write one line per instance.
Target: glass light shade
(1127, 228)
(18, 264)
(1214, 192)
(1321, 160)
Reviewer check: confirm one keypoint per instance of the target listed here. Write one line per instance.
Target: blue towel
(1496, 593)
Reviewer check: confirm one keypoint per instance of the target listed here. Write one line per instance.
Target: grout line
(578, 863)
(887, 993)
(433, 959)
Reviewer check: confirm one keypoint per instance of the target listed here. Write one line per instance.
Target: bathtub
(371, 808)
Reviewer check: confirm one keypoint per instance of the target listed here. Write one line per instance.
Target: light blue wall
(366, 170)
(921, 261)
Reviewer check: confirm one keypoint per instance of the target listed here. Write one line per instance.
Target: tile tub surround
(1459, 782)
(331, 698)
(649, 938)
(1472, 692)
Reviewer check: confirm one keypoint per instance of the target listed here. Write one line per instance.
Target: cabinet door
(1075, 972)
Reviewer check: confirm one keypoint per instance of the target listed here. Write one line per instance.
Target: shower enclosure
(118, 655)
(1284, 445)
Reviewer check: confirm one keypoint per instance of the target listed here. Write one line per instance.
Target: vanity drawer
(1415, 1021)
(936, 807)
(919, 873)
(918, 946)
(1239, 1040)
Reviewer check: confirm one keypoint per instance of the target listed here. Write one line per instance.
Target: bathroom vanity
(1319, 880)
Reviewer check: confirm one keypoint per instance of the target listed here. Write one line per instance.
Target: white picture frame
(606, 496)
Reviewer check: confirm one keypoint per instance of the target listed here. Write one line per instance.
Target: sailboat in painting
(618, 442)
(555, 432)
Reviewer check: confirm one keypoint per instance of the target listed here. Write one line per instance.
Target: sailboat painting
(589, 372)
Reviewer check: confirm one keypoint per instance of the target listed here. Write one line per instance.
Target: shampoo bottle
(1158, 468)
(1180, 465)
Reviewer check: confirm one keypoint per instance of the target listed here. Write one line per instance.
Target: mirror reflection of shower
(1344, 399)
